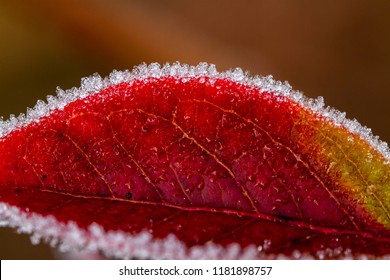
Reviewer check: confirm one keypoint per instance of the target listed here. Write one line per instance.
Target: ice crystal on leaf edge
(93, 84)
(118, 244)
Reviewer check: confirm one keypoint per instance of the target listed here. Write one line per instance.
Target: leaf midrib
(226, 211)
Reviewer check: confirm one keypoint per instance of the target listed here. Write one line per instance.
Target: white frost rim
(121, 245)
(93, 84)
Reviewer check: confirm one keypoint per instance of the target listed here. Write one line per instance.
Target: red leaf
(186, 162)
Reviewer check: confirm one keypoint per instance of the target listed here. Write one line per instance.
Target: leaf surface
(186, 162)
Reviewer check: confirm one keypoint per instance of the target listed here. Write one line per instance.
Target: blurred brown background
(337, 49)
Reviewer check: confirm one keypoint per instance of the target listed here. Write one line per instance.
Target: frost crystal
(121, 245)
(117, 244)
(267, 84)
